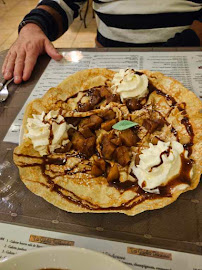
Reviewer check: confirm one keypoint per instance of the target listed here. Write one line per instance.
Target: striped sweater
(124, 23)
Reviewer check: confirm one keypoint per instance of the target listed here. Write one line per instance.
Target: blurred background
(13, 11)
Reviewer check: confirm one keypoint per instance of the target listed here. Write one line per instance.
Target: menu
(16, 239)
(186, 67)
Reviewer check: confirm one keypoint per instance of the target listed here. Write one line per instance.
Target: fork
(4, 89)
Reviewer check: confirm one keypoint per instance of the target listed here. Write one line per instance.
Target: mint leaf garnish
(124, 124)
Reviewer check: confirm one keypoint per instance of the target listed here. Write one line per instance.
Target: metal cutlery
(4, 89)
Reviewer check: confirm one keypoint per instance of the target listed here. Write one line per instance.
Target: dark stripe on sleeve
(148, 21)
(79, 1)
(73, 6)
(200, 16)
(99, 2)
(58, 8)
(46, 21)
(186, 38)
(112, 43)
(196, 1)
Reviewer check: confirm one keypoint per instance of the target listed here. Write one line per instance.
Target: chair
(85, 14)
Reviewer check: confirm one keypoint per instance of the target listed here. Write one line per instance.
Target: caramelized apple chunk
(86, 132)
(89, 100)
(84, 107)
(104, 91)
(64, 149)
(98, 167)
(89, 146)
(93, 122)
(116, 140)
(108, 148)
(101, 164)
(108, 115)
(70, 133)
(152, 125)
(108, 125)
(95, 97)
(113, 173)
(96, 171)
(128, 137)
(122, 155)
(83, 145)
(113, 98)
(73, 120)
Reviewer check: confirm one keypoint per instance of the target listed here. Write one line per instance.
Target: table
(176, 227)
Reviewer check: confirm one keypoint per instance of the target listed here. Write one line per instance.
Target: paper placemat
(16, 239)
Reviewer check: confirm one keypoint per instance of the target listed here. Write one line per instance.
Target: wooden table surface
(177, 227)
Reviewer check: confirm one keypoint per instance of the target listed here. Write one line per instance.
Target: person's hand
(23, 54)
(197, 28)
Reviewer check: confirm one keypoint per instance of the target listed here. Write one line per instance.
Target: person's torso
(144, 21)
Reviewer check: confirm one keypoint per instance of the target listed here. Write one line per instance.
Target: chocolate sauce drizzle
(166, 152)
(182, 177)
(165, 191)
(185, 121)
(122, 186)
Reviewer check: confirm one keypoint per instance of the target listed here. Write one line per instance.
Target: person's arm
(189, 37)
(197, 28)
(48, 21)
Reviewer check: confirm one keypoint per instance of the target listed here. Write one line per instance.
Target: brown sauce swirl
(55, 161)
(165, 191)
(188, 126)
(185, 121)
(182, 178)
(166, 152)
(122, 186)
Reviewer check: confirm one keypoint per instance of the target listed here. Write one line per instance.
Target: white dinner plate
(62, 257)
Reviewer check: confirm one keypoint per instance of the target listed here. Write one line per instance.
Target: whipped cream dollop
(129, 84)
(158, 165)
(46, 131)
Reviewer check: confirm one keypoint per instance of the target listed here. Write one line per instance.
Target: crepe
(81, 179)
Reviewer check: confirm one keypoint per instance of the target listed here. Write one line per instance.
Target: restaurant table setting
(167, 238)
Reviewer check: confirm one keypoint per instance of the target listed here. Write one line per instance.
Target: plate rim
(61, 247)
